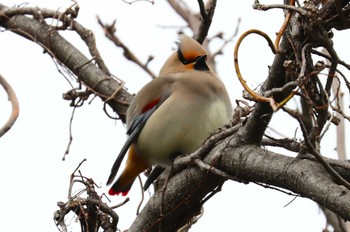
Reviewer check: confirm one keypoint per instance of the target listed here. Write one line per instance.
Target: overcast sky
(33, 175)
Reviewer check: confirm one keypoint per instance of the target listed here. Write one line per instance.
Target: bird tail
(135, 164)
(119, 188)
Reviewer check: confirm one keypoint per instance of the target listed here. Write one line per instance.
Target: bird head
(189, 56)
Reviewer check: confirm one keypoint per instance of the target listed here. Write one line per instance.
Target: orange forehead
(191, 56)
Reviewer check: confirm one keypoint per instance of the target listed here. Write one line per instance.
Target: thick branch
(207, 13)
(186, 190)
(66, 54)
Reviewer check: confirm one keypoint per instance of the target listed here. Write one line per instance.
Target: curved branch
(283, 27)
(254, 129)
(15, 106)
(256, 96)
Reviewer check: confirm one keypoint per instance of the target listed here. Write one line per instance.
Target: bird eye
(181, 57)
(188, 59)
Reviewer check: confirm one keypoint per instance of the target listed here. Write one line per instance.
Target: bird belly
(181, 130)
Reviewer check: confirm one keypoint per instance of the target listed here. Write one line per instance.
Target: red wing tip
(113, 193)
(150, 105)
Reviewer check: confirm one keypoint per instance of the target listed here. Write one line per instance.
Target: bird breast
(187, 118)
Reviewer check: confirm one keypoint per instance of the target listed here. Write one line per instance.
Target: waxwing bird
(172, 114)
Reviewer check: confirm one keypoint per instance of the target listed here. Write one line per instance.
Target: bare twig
(121, 204)
(113, 96)
(72, 178)
(277, 189)
(91, 212)
(262, 7)
(70, 140)
(334, 62)
(226, 41)
(67, 18)
(319, 157)
(287, 143)
(329, 58)
(109, 31)
(208, 144)
(88, 37)
(209, 168)
(142, 196)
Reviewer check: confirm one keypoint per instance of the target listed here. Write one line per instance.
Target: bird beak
(201, 63)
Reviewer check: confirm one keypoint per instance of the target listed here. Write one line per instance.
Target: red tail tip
(112, 193)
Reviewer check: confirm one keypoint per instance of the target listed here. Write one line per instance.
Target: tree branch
(66, 54)
(109, 31)
(186, 190)
(207, 13)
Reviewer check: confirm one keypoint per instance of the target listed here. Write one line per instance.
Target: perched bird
(172, 114)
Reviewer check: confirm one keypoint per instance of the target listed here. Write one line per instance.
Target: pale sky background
(34, 177)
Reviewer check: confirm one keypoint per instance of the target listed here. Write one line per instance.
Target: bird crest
(185, 58)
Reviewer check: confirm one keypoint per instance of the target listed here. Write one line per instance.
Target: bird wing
(136, 126)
